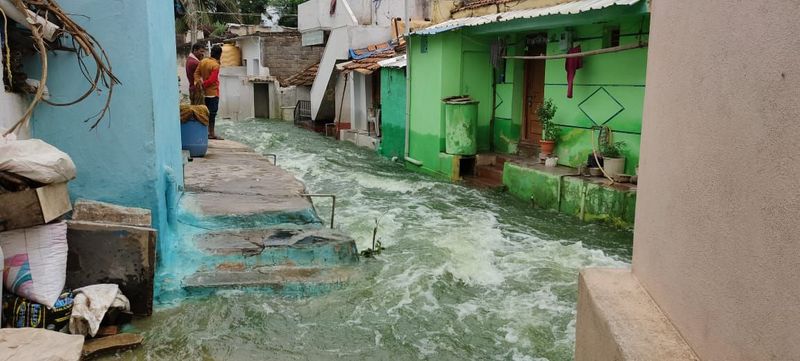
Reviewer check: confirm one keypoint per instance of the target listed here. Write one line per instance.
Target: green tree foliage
(206, 8)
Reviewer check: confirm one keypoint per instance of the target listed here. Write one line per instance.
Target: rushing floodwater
(466, 274)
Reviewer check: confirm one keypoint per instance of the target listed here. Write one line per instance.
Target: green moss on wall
(571, 195)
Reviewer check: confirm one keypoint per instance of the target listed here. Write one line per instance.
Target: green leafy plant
(613, 149)
(546, 113)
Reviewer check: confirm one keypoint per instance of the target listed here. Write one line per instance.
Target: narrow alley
(359, 180)
(466, 274)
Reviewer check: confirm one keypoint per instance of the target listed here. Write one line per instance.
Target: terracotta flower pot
(547, 146)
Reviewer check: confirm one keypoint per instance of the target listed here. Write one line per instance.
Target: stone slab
(99, 346)
(112, 253)
(227, 146)
(101, 212)
(301, 248)
(232, 180)
(250, 240)
(618, 320)
(271, 277)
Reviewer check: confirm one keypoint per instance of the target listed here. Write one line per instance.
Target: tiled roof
(370, 64)
(303, 78)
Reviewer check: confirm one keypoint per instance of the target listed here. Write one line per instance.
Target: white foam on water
(461, 277)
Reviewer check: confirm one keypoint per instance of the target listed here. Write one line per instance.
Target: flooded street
(465, 275)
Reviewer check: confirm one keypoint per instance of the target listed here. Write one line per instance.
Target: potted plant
(546, 114)
(613, 157)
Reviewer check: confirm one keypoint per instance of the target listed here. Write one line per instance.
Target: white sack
(28, 344)
(36, 160)
(90, 306)
(36, 262)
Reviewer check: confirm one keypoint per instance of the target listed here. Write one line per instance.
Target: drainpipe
(407, 21)
(48, 29)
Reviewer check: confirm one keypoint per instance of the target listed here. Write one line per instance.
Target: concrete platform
(618, 320)
(560, 188)
(310, 279)
(246, 225)
(233, 184)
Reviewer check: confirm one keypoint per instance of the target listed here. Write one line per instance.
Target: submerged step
(275, 247)
(276, 278)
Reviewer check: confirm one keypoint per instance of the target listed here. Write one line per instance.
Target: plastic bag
(36, 160)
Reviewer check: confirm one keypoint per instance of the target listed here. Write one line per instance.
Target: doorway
(261, 100)
(534, 89)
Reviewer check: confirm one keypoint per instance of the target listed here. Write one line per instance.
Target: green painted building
(393, 112)
(456, 58)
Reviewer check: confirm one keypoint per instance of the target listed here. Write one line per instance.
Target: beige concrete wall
(717, 239)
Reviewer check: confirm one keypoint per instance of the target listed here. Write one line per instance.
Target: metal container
(461, 124)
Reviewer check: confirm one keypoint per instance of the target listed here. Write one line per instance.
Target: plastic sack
(20, 312)
(36, 160)
(36, 262)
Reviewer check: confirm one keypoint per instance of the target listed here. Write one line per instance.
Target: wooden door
(534, 94)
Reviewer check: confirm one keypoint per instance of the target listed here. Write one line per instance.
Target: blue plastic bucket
(194, 138)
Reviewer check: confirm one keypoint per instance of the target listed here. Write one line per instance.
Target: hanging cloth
(572, 66)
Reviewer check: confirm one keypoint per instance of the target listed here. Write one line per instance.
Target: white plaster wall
(251, 51)
(717, 238)
(343, 103)
(363, 36)
(184, 80)
(12, 106)
(315, 14)
(236, 94)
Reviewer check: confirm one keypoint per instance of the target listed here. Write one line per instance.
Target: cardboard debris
(116, 254)
(93, 211)
(33, 207)
(99, 346)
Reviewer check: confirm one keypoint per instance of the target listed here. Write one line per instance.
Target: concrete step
(476, 182)
(491, 173)
(249, 249)
(528, 150)
(232, 187)
(281, 280)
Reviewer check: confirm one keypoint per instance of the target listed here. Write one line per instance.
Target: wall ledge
(618, 320)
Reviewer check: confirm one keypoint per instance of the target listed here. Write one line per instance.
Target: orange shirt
(208, 73)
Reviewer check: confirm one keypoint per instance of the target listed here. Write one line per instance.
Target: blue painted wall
(133, 158)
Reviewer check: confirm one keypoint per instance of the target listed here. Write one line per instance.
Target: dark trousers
(213, 107)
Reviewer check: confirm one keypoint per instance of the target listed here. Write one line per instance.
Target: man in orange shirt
(206, 77)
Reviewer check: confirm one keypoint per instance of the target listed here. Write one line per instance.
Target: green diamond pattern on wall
(601, 107)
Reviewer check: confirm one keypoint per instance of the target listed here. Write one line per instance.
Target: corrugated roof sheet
(396, 62)
(575, 7)
(370, 64)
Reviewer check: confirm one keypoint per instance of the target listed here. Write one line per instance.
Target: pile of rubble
(69, 286)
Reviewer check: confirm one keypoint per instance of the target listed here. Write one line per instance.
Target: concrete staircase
(322, 105)
(245, 223)
(285, 261)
